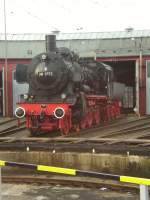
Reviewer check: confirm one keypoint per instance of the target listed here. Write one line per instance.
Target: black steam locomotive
(65, 92)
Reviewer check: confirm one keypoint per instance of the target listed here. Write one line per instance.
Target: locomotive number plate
(45, 74)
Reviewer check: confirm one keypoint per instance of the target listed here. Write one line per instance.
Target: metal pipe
(140, 61)
(6, 63)
(140, 67)
(136, 109)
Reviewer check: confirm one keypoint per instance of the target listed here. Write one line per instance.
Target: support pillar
(144, 192)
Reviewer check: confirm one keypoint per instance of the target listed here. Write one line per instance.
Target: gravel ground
(36, 192)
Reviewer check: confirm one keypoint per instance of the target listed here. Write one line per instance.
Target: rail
(143, 182)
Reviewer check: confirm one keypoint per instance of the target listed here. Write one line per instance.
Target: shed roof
(78, 36)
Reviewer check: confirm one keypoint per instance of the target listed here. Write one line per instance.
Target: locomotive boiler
(65, 92)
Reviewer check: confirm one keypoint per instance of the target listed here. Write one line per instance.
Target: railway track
(131, 134)
(106, 145)
(104, 130)
(10, 127)
(6, 120)
(11, 131)
(68, 181)
(118, 128)
(135, 129)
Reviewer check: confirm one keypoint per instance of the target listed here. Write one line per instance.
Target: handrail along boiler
(66, 93)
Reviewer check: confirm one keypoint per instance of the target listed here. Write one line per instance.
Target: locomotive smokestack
(50, 43)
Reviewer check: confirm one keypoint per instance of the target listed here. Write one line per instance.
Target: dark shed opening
(124, 72)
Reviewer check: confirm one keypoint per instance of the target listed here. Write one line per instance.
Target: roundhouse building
(128, 52)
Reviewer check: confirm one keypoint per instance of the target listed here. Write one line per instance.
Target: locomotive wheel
(83, 123)
(77, 128)
(109, 112)
(90, 119)
(65, 130)
(114, 112)
(97, 117)
(65, 126)
(34, 133)
(105, 114)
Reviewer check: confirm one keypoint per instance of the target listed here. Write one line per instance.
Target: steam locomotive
(66, 93)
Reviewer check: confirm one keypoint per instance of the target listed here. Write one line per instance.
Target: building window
(29, 52)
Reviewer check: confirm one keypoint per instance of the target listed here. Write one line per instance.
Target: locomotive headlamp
(44, 57)
(59, 113)
(63, 95)
(20, 112)
(32, 97)
(25, 96)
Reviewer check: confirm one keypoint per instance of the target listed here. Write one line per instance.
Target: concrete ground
(36, 192)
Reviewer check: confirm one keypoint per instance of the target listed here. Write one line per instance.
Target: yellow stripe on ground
(140, 181)
(2, 163)
(56, 170)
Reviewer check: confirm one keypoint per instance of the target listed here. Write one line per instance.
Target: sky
(44, 16)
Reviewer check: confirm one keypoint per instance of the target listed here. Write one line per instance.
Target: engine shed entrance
(125, 72)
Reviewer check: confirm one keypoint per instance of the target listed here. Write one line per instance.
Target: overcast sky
(43, 16)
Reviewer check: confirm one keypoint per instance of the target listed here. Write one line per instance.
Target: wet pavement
(37, 192)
